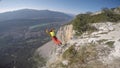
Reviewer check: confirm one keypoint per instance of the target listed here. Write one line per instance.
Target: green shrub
(101, 41)
(81, 56)
(110, 43)
(69, 53)
(82, 21)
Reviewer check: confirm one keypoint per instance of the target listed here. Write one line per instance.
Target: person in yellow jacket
(53, 36)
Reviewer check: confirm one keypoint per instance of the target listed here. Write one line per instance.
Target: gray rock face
(106, 41)
(65, 33)
(102, 45)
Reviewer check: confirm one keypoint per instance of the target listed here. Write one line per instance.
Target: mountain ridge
(32, 13)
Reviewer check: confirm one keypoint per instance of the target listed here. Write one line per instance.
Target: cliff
(97, 45)
(65, 33)
(99, 49)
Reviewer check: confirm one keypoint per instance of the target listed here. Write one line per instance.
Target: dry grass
(85, 57)
(80, 59)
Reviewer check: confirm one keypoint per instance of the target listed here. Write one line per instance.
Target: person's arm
(47, 31)
(54, 30)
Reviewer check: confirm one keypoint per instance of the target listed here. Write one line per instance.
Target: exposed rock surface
(107, 46)
(101, 48)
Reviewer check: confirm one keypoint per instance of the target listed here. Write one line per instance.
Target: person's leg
(58, 41)
(54, 40)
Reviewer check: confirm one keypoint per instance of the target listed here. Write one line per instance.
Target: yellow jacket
(52, 33)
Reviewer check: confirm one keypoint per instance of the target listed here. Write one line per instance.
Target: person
(51, 32)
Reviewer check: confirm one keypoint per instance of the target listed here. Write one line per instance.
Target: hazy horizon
(35, 9)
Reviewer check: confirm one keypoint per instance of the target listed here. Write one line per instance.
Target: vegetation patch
(101, 41)
(79, 58)
(110, 43)
(85, 57)
(82, 21)
(69, 53)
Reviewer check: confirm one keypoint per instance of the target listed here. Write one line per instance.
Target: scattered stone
(65, 62)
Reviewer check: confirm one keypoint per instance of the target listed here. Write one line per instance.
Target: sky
(67, 6)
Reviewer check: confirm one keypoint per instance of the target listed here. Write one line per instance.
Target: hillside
(99, 49)
(89, 41)
(82, 22)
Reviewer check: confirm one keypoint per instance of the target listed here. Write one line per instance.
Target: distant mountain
(33, 14)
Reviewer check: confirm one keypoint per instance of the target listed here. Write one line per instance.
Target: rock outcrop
(117, 10)
(99, 49)
(65, 33)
